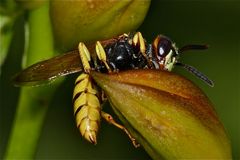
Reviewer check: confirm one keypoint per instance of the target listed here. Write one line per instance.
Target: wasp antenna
(193, 47)
(197, 73)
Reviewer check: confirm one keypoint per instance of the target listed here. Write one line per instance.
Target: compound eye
(164, 46)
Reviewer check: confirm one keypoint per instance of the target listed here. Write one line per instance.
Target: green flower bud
(91, 20)
(167, 114)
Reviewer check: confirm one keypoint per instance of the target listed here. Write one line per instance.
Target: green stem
(33, 102)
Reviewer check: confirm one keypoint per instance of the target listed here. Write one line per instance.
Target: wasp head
(165, 52)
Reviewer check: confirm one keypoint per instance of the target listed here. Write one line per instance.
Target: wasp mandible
(124, 52)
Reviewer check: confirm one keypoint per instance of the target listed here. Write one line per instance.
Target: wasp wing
(47, 70)
(62, 65)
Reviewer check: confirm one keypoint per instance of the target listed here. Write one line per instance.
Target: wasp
(124, 52)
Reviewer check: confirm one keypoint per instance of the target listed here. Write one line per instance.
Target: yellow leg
(138, 40)
(102, 55)
(110, 120)
(85, 57)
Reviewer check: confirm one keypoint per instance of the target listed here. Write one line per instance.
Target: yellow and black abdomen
(87, 108)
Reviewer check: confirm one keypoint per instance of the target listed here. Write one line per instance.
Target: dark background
(206, 22)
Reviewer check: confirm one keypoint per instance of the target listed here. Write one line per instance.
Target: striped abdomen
(86, 108)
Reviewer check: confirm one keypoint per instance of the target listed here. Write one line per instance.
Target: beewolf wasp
(127, 51)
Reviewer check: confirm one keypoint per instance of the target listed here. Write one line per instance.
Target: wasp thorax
(120, 55)
(164, 52)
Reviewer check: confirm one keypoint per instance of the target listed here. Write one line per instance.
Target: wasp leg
(85, 57)
(123, 36)
(102, 55)
(138, 41)
(86, 108)
(103, 96)
(110, 120)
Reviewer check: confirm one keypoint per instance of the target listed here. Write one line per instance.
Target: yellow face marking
(169, 61)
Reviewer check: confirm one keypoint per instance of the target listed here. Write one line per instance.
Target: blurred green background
(206, 22)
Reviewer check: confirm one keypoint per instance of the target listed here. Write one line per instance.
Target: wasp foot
(110, 120)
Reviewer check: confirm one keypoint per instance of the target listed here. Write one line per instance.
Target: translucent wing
(62, 65)
(45, 71)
